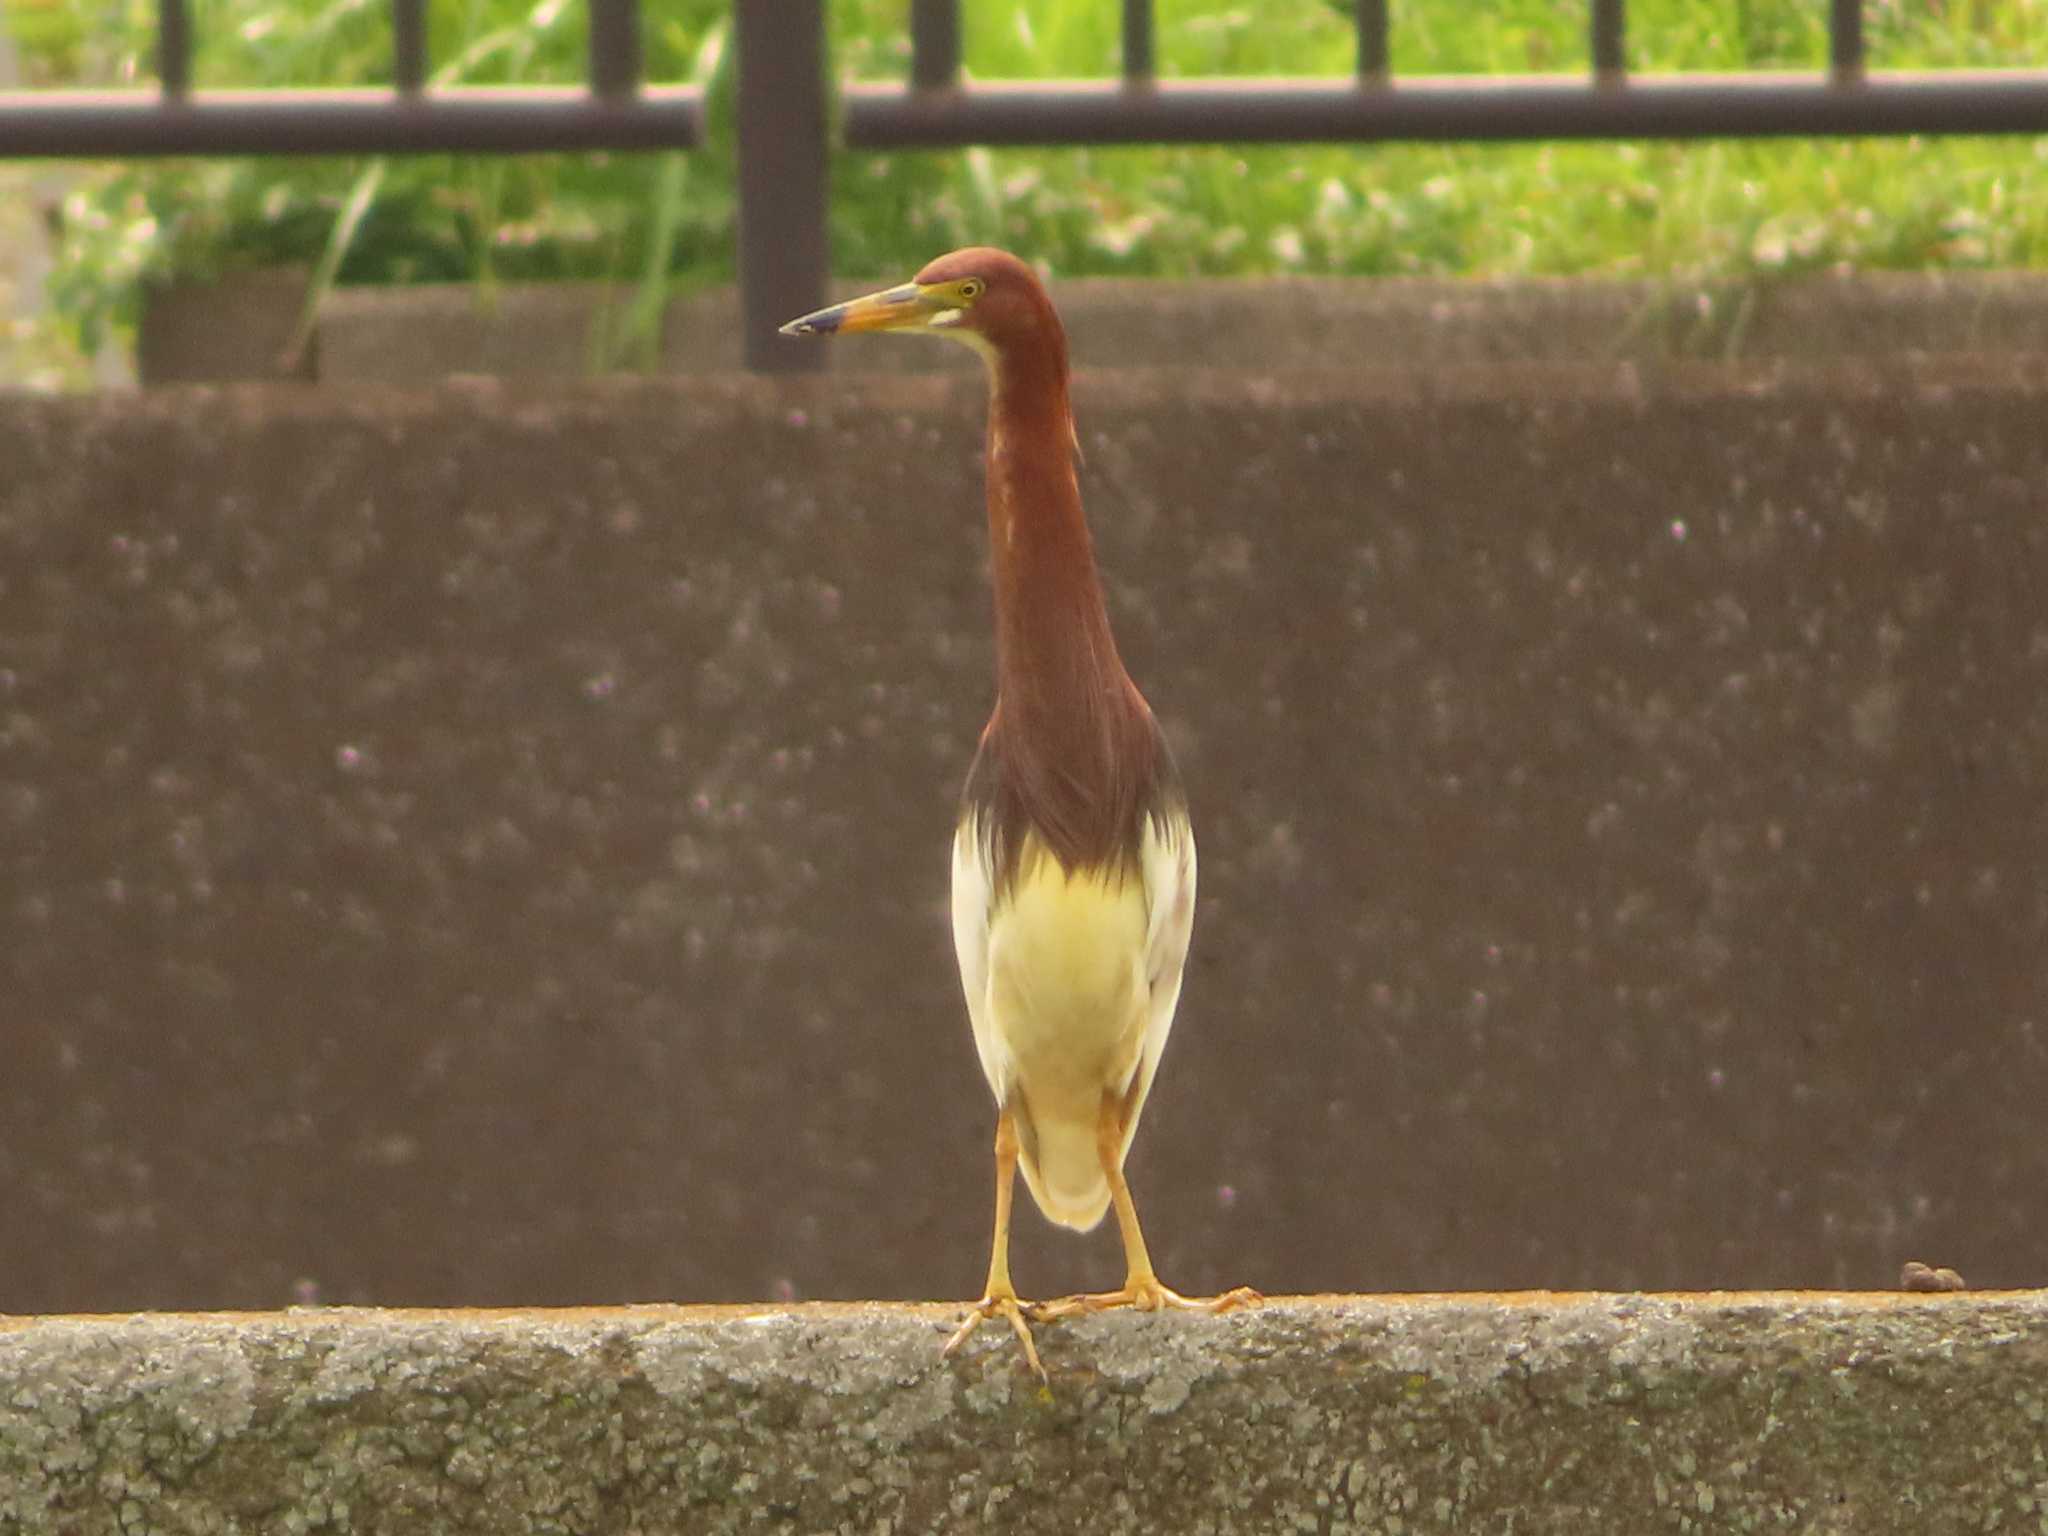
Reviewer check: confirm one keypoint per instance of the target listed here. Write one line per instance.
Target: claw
(1231, 1300)
(1007, 1306)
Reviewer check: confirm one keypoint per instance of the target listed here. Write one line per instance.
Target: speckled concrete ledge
(1532, 1413)
(239, 327)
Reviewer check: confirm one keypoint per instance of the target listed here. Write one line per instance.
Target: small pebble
(1919, 1277)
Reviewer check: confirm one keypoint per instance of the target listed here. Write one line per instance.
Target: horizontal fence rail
(612, 111)
(939, 110)
(1493, 109)
(478, 120)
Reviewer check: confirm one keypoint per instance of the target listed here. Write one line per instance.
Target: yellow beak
(906, 307)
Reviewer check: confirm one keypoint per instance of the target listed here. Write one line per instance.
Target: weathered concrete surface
(489, 847)
(408, 336)
(1536, 1413)
(241, 328)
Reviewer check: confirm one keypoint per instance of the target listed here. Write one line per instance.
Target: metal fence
(614, 110)
(783, 116)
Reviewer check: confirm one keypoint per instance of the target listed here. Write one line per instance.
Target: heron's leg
(1142, 1288)
(1000, 1296)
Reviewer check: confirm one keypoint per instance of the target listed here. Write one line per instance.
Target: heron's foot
(1143, 1293)
(1006, 1305)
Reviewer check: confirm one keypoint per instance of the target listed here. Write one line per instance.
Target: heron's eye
(971, 288)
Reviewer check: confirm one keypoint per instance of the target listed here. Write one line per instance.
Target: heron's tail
(1063, 1171)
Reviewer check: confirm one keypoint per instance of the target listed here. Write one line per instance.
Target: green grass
(1716, 210)
(1628, 210)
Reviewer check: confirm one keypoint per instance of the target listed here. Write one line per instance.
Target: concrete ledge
(1532, 1412)
(400, 336)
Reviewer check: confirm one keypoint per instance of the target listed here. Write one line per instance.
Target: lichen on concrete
(1339, 1416)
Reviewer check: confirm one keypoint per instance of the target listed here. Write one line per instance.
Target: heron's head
(981, 296)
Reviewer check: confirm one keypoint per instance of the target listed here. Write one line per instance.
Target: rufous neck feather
(1076, 751)
(1053, 642)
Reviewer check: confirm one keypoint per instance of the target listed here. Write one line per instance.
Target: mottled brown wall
(477, 847)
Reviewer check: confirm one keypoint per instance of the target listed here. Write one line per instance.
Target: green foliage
(1706, 210)
(1702, 210)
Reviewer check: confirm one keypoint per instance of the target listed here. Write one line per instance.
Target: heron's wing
(973, 898)
(1166, 863)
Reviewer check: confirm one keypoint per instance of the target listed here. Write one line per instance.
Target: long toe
(1155, 1297)
(1078, 1306)
(1230, 1301)
(1144, 1295)
(999, 1306)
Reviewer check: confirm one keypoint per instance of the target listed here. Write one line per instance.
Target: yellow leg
(1142, 1288)
(1000, 1297)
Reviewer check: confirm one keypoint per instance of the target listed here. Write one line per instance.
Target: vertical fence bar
(614, 48)
(1372, 40)
(934, 44)
(1137, 40)
(1610, 40)
(781, 115)
(409, 46)
(174, 48)
(1845, 39)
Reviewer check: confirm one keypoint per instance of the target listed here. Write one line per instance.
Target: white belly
(1071, 982)
(1066, 987)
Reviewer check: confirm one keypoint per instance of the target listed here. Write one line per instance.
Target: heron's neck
(1057, 669)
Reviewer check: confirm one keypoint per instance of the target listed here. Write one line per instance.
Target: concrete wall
(1341, 1417)
(483, 846)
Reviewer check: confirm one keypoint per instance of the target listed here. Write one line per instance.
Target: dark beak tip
(812, 325)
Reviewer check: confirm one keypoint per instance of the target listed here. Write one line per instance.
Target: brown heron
(1073, 860)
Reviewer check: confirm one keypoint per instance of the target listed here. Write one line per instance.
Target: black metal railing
(784, 124)
(613, 110)
(938, 110)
